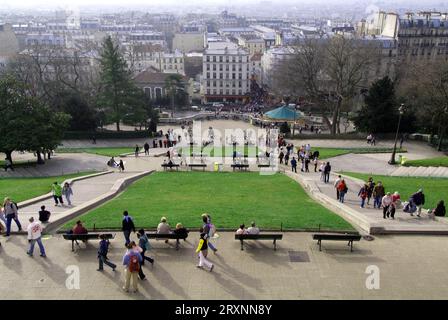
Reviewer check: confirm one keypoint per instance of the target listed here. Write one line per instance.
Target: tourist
(112, 163)
(180, 230)
(127, 226)
(294, 165)
(363, 195)
(322, 171)
(163, 227)
(343, 189)
(146, 147)
(440, 210)
(121, 166)
(241, 230)
(35, 235)
(395, 203)
(286, 158)
(154, 143)
(102, 254)
(418, 199)
(327, 171)
(11, 212)
(57, 194)
(281, 156)
(160, 143)
(143, 243)
(386, 202)
(131, 261)
(79, 228)
(336, 183)
(370, 187)
(137, 150)
(396, 199)
(44, 215)
(202, 250)
(8, 164)
(315, 162)
(306, 160)
(67, 192)
(139, 250)
(253, 229)
(378, 194)
(209, 229)
(369, 138)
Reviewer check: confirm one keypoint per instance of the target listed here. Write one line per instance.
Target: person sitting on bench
(241, 230)
(180, 230)
(253, 229)
(44, 215)
(79, 228)
(164, 227)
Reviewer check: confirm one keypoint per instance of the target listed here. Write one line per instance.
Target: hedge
(86, 135)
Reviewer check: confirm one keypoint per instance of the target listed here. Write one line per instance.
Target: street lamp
(401, 111)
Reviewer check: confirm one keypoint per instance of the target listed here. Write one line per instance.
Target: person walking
(370, 187)
(146, 147)
(294, 164)
(127, 226)
(327, 171)
(57, 193)
(378, 194)
(315, 162)
(386, 201)
(281, 156)
(67, 192)
(11, 212)
(202, 250)
(121, 166)
(131, 262)
(35, 235)
(418, 200)
(336, 183)
(102, 254)
(343, 189)
(286, 158)
(322, 171)
(137, 150)
(137, 249)
(143, 243)
(209, 229)
(363, 195)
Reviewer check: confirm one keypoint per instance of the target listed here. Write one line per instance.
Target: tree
(118, 94)
(329, 72)
(83, 117)
(175, 88)
(27, 123)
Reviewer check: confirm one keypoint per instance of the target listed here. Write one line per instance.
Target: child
(363, 195)
(102, 254)
(202, 250)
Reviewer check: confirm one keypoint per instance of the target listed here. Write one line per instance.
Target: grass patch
(20, 189)
(435, 189)
(432, 162)
(326, 153)
(231, 199)
(225, 151)
(102, 151)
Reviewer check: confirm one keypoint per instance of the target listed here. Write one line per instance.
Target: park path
(83, 191)
(403, 221)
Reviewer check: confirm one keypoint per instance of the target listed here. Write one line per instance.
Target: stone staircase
(439, 172)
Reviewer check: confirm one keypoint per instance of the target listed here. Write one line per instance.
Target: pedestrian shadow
(171, 284)
(229, 285)
(344, 255)
(10, 262)
(265, 253)
(242, 277)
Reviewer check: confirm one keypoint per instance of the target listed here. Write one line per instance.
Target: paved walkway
(411, 267)
(83, 191)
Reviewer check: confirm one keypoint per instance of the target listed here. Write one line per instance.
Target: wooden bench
(85, 237)
(350, 237)
(262, 236)
(264, 165)
(171, 166)
(240, 166)
(167, 236)
(197, 165)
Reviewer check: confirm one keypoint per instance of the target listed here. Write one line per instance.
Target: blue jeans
(363, 201)
(41, 246)
(9, 219)
(377, 202)
(341, 196)
(103, 260)
(127, 234)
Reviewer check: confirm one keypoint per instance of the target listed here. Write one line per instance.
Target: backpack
(134, 265)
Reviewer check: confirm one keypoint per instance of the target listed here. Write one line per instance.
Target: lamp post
(401, 111)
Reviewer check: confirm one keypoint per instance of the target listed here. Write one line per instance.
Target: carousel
(285, 114)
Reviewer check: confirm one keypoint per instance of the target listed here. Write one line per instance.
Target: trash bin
(216, 166)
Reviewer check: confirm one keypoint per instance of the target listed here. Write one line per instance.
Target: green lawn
(435, 189)
(231, 199)
(432, 162)
(211, 151)
(326, 153)
(102, 151)
(20, 189)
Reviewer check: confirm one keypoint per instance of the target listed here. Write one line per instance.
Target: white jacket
(34, 230)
